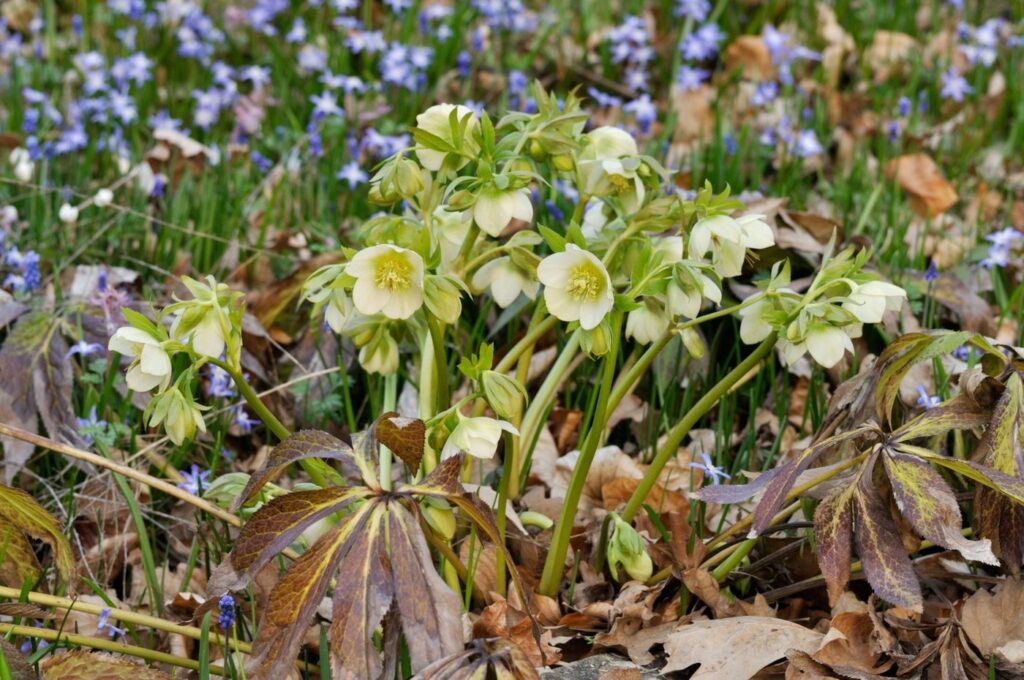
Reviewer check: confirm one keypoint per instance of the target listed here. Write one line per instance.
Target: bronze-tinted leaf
(431, 612)
(21, 510)
(904, 352)
(833, 525)
(886, 565)
(295, 598)
(959, 413)
(300, 446)
(778, 488)
(405, 437)
(82, 665)
(361, 600)
(443, 480)
(1012, 487)
(926, 501)
(279, 523)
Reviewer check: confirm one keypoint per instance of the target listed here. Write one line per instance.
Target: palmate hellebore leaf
(375, 555)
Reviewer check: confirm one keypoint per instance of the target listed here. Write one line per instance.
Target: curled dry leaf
(736, 647)
(917, 174)
(993, 621)
(82, 665)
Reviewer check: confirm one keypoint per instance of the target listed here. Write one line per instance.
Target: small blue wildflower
(932, 272)
(644, 110)
(904, 106)
(103, 625)
(226, 619)
(195, 480)
(716, 473)
(244, 420)
(925, 400)
(955, 86)
(353, 174)
(807, 144)
(689, 78)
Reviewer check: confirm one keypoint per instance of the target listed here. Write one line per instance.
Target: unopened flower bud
(68, 214)
(626, 548)
(504, 394)
(103, 198)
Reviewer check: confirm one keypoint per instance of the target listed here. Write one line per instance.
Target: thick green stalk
(390, 400)
(554, 564)
(675, 436)
(320, 472)
(106, 645)
(441, 398)
(542, 399)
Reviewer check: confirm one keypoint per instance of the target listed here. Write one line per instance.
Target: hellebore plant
(637, 265)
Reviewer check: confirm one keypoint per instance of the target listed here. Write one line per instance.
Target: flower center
(620, 183)
(585, 283)
(393, 273)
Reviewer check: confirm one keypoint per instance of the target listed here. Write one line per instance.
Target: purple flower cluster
(22, 267)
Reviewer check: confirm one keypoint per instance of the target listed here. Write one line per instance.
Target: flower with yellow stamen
(389, 281)
(576, 286)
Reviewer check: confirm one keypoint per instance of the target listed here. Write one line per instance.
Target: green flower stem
(467, 247)
(67, 604)
(670, 447)
(390, 399)
(525, 344)
(546, 393)
(500, 519)
(319, 471)
(441, 396)
(735, 558)
(624, 383)
(554, 565)
(107, 646)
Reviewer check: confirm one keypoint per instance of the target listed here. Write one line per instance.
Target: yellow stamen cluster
(585, 283)
(393, 273)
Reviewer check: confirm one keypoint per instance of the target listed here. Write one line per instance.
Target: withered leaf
(36, 386)
(17, 663)
(886, 565)
(19, 509)
(736, 647)
(82, 665)
(495, 658)
(405, 437)
(918, 175)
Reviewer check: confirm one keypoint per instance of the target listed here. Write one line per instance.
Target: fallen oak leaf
(917, 174)
(736, 647)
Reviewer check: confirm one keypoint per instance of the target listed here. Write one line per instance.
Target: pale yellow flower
(576, 286)
(506, 280)
(494, 209)
(389, 281)
(477, 437)
(436, 121)
(150, 366)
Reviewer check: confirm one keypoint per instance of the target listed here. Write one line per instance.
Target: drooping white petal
(827, 344)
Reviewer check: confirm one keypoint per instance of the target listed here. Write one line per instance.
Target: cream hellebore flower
(389, 280)
(380, 355)
(337, 310)
(871, 300)
(686, 294)
(451, 229)
(506, 281)
(608, 164)
(646, 323)
(208, 335)
(825, 343)
(576, 286)
(180, 415)
(435, 120)
(754, 327)
(728, 239)
(151, 365)
(476, 436)
(494, 209)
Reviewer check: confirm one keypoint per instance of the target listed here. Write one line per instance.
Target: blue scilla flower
(226, 619)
